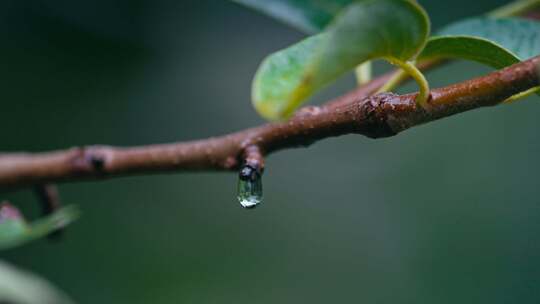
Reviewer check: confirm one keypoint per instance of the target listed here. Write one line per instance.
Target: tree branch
(380, 115)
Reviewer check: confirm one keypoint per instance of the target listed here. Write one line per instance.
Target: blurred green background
(443, 213)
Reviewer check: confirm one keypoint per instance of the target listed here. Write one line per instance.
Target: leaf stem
(408, 69)
(363, 73)
(521, 95)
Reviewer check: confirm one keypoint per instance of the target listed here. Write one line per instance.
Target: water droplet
(249, 187)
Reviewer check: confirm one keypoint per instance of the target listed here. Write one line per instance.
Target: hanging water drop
(249, 187)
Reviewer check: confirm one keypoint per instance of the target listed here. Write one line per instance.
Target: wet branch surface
(358, 112)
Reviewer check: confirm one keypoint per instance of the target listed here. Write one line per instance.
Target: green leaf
(470, 48)
(494, 42)
(22, 287)
(520, 37)
(13, 226)
(310, 16)
(15, 231)
(395, 30)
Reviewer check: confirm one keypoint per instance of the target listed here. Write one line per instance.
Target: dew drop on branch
(249, 187)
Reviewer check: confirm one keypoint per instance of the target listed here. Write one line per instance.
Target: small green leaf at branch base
(15, 231)
(396, 30)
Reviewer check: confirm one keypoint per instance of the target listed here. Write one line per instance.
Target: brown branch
(380, 115)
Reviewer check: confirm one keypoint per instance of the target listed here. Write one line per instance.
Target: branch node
(97, 161)
(92, 158)
(377, 110)
(308, 110)
(253, 157)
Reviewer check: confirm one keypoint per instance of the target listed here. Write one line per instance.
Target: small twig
(253, 157)
(49, 199)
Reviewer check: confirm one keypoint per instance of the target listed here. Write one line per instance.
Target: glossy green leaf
(470, 48)
(310, 16)
(520, 37)
(392, 29)
(15, 231)
(494, 42)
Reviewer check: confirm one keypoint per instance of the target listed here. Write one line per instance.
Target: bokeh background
(443, 213)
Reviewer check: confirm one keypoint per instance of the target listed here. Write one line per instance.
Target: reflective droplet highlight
(249, 187)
